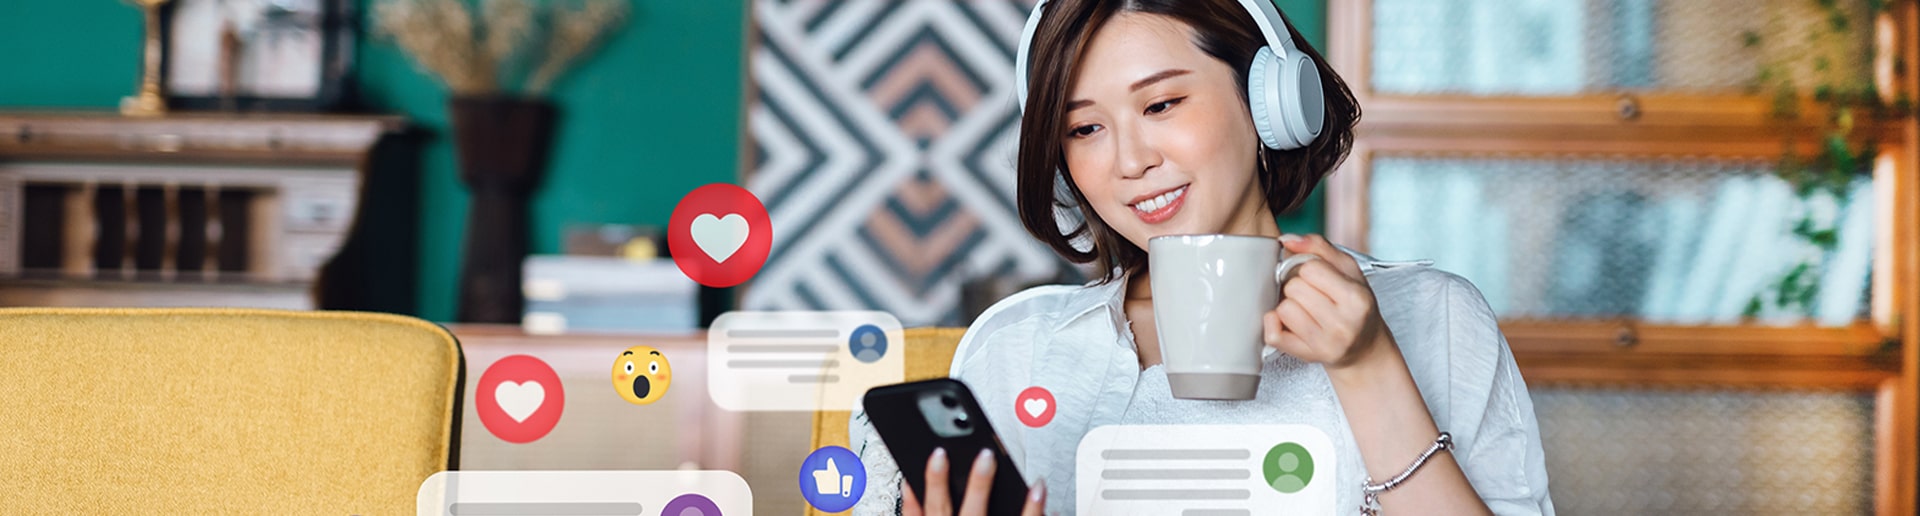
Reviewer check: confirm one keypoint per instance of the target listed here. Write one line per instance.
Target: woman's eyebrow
(1157, 77)
(1137, 85)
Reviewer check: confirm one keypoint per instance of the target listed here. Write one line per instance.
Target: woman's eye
(1083, 131)
(1162, 107)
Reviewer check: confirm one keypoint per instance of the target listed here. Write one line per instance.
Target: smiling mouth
(1161, 207)
(641, 387)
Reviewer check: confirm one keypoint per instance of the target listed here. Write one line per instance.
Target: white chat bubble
(801, 361)
(635, 493)
(1205, 470)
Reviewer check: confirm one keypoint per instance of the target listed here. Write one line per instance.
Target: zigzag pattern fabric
(883, 137)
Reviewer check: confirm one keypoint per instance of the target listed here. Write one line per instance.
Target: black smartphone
(914, 418)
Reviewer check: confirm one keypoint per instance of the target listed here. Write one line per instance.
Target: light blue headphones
(1283, 85)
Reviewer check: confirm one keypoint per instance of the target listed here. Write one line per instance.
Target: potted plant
(499, 59)
(1830, 67)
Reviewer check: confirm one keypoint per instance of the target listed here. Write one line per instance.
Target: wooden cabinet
(1605, 172)
(185, 209)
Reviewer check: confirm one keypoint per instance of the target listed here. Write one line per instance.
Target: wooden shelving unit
(1879, 355)
(186, 209)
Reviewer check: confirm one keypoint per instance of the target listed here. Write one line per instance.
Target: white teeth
(1154, 204)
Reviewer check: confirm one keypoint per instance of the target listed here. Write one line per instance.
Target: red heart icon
(719, 235)
(519, 399)
(1034, 406)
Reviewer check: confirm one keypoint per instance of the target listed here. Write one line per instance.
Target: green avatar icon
(1288, 467)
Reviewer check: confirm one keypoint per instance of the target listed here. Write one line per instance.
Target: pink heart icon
(1035, 406)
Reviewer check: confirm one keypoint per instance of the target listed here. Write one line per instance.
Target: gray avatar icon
(868, 344)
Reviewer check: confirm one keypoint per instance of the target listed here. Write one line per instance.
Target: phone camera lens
(962, 423)
(949, 400)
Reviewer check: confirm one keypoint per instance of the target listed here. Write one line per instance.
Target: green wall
(656, 113)
(68, 53)
(1310, 17)
(650, 117)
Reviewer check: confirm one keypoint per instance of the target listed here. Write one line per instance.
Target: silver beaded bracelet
(1370, 504)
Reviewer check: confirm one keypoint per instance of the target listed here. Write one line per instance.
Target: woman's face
(1158, 139)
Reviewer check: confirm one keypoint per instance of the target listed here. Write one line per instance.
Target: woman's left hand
(1327, 313)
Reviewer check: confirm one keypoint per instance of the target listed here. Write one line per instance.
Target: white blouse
(1074, 340)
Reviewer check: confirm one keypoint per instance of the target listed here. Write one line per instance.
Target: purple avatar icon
(691, 504)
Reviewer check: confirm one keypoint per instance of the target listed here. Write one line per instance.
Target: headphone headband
(1264, 14)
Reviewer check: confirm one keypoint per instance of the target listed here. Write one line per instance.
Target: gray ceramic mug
(1209, 293)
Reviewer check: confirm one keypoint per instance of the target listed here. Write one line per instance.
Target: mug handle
(1290, 267)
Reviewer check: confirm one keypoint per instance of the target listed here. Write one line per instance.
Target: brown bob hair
(1223, 29)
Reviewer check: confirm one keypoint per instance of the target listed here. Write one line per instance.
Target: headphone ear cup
(1305, 101)
(1263, 99)
(1289, 108)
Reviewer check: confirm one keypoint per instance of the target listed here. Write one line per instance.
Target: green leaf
(1837, 149)
(1804, 227)
(1799, 271)
(1805, 298)
(1786, 102)
(1793, 287)
(1827, 239)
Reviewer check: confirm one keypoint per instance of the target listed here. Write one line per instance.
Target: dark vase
(502, 145)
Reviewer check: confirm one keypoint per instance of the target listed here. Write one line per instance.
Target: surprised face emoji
(641, 375)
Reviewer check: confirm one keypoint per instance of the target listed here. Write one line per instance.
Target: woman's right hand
(974, 501)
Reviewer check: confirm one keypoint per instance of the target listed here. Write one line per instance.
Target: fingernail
(1289, 238)
(981, 463)
(1038, 491)
(938, 462)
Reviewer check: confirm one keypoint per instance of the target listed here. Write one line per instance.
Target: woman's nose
(1135, 152)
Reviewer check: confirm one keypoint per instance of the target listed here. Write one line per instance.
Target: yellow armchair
(204, 411)
(929, 355)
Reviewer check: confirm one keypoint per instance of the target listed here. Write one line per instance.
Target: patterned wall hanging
(883, 139)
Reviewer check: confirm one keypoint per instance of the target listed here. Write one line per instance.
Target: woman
(1138, 125)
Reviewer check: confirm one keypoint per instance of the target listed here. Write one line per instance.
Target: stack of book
(1636, 240)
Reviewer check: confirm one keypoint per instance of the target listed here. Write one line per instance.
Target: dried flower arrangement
(509, 40)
